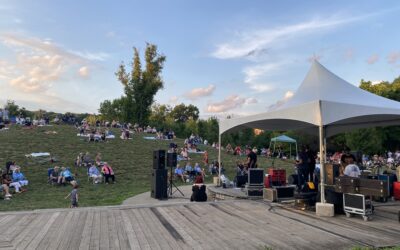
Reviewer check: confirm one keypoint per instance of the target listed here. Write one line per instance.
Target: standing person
(74, 195)
(251, 158)
(310, 164)
(302, 167)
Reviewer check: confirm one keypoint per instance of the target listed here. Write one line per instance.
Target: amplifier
(256, 176)
(396, 190)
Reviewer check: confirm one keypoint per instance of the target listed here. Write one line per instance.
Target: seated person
(199, 190)
(351, 169)
(65, 176)
(79, 160)
(5, 190)
(180, 173)
(197, 169)
(240, 169)
(229, 148)
(53, 178)
(95, 174)
(17, 176)
(7, 180)
(108, 172)
(87, 159)
(189, 170)
(185, 154)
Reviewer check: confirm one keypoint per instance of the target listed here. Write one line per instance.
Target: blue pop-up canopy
(286, 139)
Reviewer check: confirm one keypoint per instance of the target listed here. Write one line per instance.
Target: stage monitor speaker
(171, 160)
(159, 184)
(159, 159)
(256, 177)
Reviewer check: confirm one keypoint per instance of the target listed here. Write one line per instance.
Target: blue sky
(226, 57)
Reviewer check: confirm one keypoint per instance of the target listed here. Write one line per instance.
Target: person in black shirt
(251, 158)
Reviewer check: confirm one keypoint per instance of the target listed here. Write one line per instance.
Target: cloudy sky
(227, 57)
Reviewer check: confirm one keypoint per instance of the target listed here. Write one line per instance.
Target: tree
(159, 115)
(112, 110)
(12, 108)
(140, 87)
(182, 113)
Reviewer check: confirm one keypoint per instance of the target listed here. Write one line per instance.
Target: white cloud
(253, 73)
(376, 82)
(246, 43)
(261, 88)
(373, 59)
(228, 103)
(84, 72)
(200, 92)
(393, 57)
(251, 100)
(91, 56)
(288, 95)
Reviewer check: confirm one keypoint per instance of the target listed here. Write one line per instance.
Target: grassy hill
(131, 160)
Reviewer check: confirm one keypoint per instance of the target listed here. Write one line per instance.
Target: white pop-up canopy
(324, 104)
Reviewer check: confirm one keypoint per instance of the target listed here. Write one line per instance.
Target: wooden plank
(121, 233)
(42, 232)
(65, 219)
(53, 231)
(158, 229)
(30, 231)
(112, 230)
(104, 234)
(77, 231)
(131, 234)
(176, 224)
(225, 229)
(143, 243)
(87, 231)
(69, 230)
(194, 225)
(95, 236)
(147, 228)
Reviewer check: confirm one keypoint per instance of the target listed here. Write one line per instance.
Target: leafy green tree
(182, 113)
(12, 108)
(140, 86)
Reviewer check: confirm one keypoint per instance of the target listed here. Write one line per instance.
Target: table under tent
(285, 139)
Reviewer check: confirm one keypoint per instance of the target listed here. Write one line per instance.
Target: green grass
(131, 160)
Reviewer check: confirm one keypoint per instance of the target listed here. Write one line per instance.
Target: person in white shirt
(351, 169)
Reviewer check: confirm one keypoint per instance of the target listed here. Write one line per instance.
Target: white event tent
(324, 105)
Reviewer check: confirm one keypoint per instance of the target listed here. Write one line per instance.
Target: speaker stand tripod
(172, 185)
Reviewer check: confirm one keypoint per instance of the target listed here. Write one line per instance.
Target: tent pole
(322, 162)
(290, 151)
(297, 152)
(219, 158)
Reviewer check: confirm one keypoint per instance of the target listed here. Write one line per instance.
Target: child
(74, 195)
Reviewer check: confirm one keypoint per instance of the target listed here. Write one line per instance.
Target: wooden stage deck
(213, 225)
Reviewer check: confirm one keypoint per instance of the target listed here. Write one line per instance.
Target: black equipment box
(284, 192)
(256, 177)
(331, 173)
(253, 191)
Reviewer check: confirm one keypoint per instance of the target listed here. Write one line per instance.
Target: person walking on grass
(74, 195)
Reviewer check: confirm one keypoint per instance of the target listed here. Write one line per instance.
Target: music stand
(172, 162)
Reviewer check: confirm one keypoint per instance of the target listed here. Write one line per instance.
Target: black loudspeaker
(159, 159)
(256, 176)
(171, 160)
(159, 184)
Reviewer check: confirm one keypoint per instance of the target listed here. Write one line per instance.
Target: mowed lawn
(131, 160)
